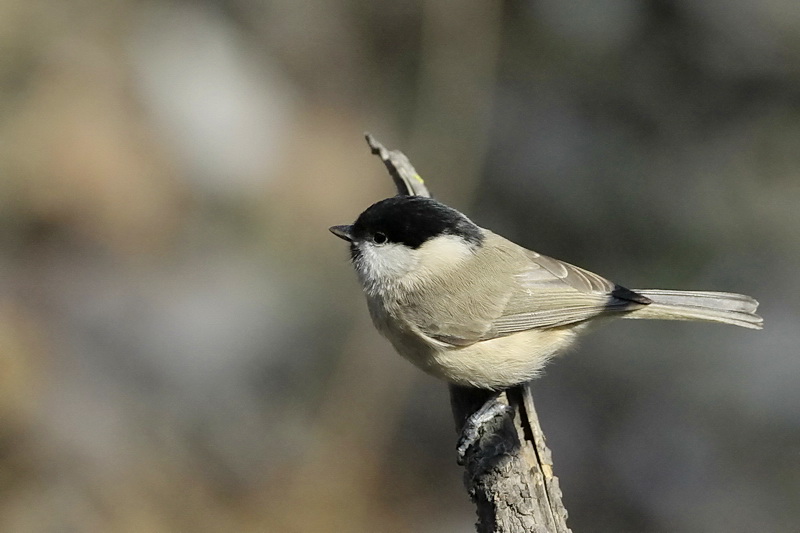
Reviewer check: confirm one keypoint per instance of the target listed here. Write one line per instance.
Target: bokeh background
(184, 347)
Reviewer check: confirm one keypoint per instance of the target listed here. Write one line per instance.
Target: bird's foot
(474, 425)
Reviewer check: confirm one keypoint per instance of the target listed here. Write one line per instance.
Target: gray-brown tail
(725, 307)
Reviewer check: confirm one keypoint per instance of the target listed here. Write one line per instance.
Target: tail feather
(724, 307)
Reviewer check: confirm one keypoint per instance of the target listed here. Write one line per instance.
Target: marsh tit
(472, 308)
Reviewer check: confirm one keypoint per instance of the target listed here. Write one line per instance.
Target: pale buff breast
(501, 362)
(496, 364)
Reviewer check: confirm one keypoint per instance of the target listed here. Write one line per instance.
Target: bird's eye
(379, 238)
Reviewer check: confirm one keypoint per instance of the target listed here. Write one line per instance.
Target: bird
(474, 309)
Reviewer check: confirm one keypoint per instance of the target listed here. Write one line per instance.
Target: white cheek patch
(385, 264)
(385, 267)
(442, 253)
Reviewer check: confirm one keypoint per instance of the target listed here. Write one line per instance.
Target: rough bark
(509, 471)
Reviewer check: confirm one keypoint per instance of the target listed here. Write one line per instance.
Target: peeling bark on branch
(509, 472)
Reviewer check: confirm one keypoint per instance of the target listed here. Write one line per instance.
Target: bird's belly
(502, 362)
(491, 364)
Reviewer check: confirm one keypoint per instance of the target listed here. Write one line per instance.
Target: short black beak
(343, 232)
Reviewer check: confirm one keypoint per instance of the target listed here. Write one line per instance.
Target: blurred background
(184, 346)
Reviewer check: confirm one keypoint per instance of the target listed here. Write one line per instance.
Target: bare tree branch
(509, 470)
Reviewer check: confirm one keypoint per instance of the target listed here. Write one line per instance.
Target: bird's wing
(550, 293)
(542, 293)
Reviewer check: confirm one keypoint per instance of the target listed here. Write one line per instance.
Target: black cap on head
(412, 220)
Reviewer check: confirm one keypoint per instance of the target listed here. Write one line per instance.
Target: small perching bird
(471, 307)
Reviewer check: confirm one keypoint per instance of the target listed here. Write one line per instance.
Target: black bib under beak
(343, 232)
